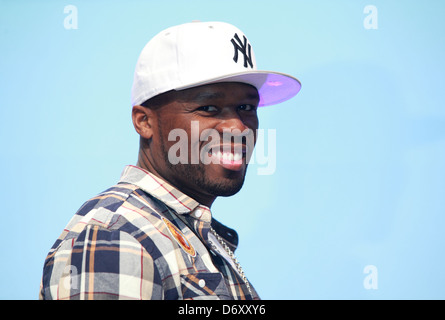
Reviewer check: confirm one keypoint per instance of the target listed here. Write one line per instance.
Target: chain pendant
(232, 256)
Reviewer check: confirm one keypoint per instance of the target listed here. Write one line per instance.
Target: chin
(224, 187)
(210, 179)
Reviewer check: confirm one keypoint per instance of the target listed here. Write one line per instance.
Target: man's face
(215, 164)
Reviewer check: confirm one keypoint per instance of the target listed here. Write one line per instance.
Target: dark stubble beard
(195, 175)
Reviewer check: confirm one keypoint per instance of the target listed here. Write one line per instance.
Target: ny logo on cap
(244, 48)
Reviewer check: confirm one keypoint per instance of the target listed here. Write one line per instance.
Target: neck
(144, 163)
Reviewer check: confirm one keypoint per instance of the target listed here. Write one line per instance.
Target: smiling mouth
(229, 157)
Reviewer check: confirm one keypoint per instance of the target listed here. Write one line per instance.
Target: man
(152, 236)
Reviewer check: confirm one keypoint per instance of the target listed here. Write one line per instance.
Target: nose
(238, 131)
(232, 122)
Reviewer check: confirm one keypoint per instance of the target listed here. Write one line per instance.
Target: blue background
(360, 175)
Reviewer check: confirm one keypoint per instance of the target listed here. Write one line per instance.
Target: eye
(208, 108)
(247, 107)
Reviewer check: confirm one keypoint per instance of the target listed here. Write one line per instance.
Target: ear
(143, 120)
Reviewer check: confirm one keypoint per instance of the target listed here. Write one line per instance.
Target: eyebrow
(205, 96)
(254, 96)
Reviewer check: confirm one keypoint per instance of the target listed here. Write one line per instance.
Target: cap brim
(273, 87)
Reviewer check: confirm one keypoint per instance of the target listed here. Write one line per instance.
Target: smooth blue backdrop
(360, 177)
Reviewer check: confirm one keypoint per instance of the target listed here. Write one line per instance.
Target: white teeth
(228, 156)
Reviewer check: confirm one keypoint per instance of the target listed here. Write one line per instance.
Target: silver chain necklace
(232, 256)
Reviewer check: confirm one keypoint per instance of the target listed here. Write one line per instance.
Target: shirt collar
(176, 200)
(159, 189)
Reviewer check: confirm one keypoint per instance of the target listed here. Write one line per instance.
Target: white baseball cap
(199, 53)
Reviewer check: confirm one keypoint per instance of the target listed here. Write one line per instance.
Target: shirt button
(198, 213)
(202, 283)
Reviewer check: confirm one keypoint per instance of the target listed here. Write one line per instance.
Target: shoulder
(120, 208)
(108, 237)
(114, 207)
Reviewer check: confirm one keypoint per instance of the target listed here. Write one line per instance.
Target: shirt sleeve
(101, 264)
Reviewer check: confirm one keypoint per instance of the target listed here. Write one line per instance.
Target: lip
(230, 157)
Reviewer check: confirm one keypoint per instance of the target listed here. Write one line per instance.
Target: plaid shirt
(141, 239)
